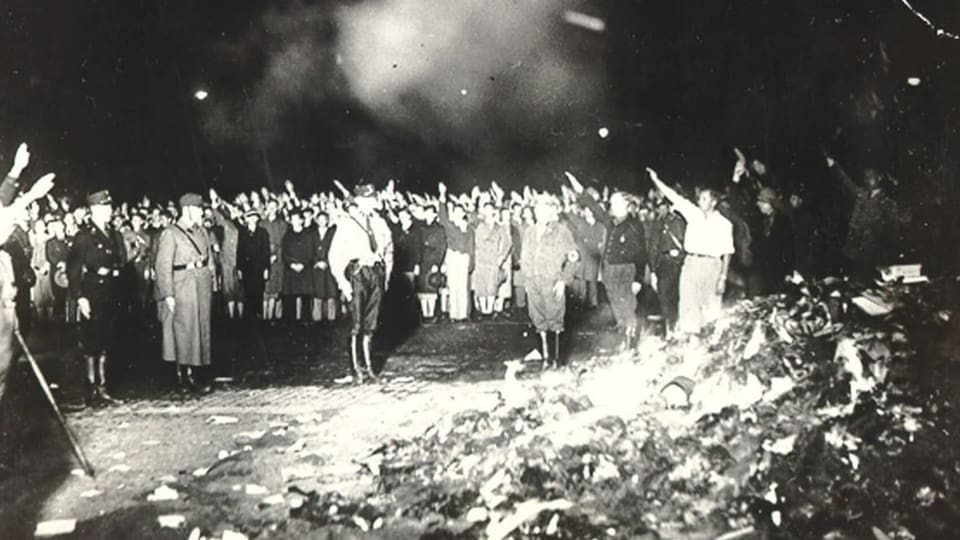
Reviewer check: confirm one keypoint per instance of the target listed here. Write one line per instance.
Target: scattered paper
(121, 468)
(783, 446)
(172, 521)
(232, 535)
(195, 534)
(163, 493)
(295, 447)
(273, 500)
(55, 527)
(151, 442)
(297, 472)
(251, 435)
(77, 472)
(222, 420)
(91, 493)
(254, 489)
(344, 380)
(533, 356)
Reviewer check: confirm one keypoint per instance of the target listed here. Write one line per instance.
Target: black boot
(102, 387)
(557, 359)
(368, 358)
(355, 361)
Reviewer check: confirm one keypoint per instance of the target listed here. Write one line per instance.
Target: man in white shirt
(708, 243)
(361, 256)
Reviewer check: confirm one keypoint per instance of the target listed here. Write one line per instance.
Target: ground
(286, 417)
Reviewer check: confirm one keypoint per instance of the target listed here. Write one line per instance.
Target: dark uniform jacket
(667, 241)
(94, 263)
(773, 248)
(626, 243)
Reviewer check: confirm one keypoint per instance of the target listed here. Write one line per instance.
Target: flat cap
(99, 198)
(191, 199)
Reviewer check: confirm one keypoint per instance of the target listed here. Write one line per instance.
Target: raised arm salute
(708, 242)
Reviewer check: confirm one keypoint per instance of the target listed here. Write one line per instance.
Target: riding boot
(357, 373)
(369, 359)
(545, 349)
(556, 350)
(102, 387)
(195, 386)
(90, 396)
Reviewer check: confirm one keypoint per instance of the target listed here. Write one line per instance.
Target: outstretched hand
(653, 175)
(574, 183)
(41, 188)
(20, 160)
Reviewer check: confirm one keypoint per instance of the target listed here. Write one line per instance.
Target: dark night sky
(102, 89)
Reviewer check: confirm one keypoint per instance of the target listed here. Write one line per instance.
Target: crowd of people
(281, 257)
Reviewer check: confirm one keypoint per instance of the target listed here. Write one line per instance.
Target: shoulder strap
(190, 238)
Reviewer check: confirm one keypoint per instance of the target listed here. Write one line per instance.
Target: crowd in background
(462, 254)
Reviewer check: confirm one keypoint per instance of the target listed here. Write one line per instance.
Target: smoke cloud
(499, 82)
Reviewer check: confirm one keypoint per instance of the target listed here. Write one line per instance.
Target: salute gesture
(574, 183)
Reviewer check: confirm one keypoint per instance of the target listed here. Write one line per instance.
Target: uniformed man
(93, 270)
(361, 256)
(624, 257)
(137, 242)
(666, 259)
(549, 264)
(185, 274)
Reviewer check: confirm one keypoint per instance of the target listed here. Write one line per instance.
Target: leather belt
(196, 265)
(702, 256)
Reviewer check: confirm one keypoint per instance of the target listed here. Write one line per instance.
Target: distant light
(913, 81)
(603, 132)
(200, 95)
(583, 20)
(463, 92)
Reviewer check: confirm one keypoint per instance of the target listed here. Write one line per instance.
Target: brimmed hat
(100, 198)
(251, 213)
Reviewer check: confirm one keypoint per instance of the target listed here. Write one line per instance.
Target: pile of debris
(797, 416)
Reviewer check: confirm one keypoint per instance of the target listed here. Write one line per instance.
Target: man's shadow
(399, 320)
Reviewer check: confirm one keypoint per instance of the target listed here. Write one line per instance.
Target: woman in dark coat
(432, 248)
(299, 254)
(325, 291)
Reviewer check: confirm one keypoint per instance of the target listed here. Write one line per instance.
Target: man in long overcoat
(185, 273)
